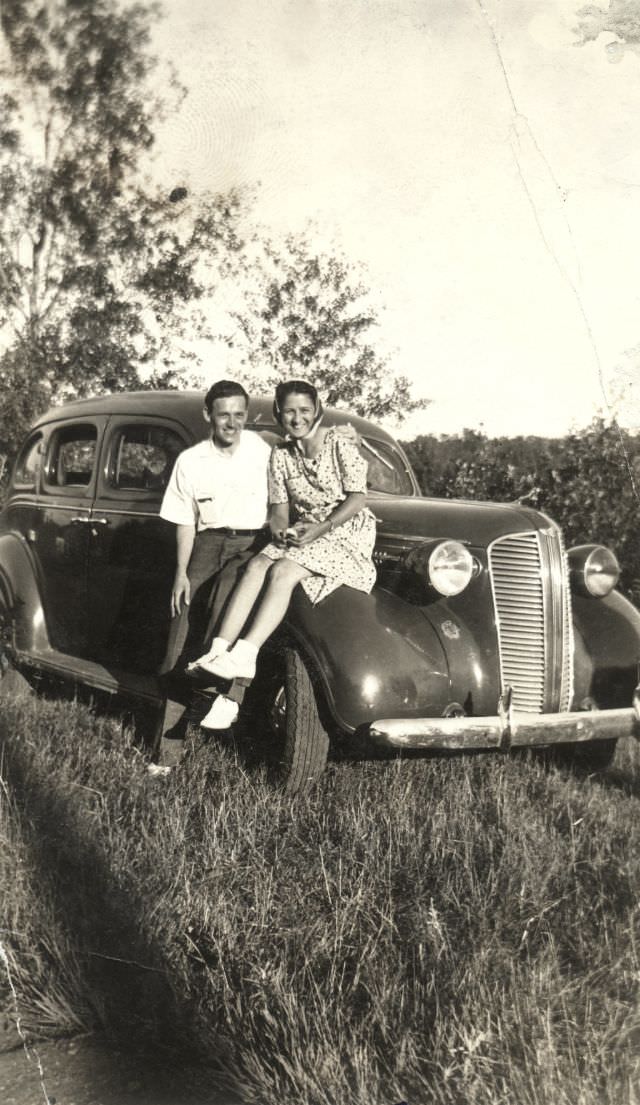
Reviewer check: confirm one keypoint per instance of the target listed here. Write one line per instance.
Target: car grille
(529, 578)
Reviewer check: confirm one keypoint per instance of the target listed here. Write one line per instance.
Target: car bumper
(507, 729)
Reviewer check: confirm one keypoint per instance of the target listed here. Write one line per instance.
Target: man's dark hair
(223, 389)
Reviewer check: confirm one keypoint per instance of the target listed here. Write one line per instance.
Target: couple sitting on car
(321, 535)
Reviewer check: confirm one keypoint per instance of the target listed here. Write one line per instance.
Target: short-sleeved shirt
(211, 488)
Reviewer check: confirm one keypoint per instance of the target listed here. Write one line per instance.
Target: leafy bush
(588, 482)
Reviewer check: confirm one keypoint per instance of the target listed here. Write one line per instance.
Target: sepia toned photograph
(319, 552)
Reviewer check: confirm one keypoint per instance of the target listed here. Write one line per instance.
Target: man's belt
(227, 531)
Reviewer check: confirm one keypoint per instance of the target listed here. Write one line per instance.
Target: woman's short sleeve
(277, 485)
(353, 467)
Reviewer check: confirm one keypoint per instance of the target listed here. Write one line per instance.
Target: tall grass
(452, 930)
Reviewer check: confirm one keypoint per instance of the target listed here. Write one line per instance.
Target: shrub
(588, 482)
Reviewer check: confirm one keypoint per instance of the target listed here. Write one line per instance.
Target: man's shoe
(158, 771)
(222, 714)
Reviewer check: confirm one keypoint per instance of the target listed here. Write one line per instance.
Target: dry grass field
(444, 931)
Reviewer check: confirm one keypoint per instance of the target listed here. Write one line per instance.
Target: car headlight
(450, 568)
(594, 570)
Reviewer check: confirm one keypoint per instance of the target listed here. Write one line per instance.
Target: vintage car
(481, 632)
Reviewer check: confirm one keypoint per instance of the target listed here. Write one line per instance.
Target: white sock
(217, 646)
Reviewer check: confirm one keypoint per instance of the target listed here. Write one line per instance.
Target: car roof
(186, 407)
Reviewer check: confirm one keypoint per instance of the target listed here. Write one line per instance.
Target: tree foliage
(106, 279)
(308, 315)
(588, 481)
(101, 273)
(621, 18)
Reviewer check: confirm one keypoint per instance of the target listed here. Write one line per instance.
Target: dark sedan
(482, 632)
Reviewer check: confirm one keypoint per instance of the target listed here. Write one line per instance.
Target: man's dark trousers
(216, 563)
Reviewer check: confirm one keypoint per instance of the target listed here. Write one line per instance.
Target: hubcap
(278, 712)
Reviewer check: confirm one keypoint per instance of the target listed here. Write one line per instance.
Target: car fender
(607, 649)
(371, 654)
(20, 600)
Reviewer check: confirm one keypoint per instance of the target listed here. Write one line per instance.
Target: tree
(621, 18)
(101, 272)
(307, 315)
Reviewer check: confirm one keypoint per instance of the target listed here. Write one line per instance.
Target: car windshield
(387, 470)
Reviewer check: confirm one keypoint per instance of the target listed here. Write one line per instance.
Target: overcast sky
(482, 166)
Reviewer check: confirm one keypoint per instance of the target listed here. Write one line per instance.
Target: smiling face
(298, 414)
(228, 418)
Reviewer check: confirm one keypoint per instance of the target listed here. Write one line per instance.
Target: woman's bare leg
(283, 577)
(244, 597)
(239, 664)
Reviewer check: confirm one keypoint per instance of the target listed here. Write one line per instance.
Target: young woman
(322, 537)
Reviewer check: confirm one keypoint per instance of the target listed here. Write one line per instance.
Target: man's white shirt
(213, 488)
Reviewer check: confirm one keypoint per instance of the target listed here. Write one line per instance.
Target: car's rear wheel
(298, 741)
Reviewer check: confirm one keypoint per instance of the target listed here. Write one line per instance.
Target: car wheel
(301, 743)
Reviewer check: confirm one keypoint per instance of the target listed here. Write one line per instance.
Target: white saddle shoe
(218, 646)
(222, 714)
(230, 665)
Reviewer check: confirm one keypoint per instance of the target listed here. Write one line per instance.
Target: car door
(60, 539)
(132, 550)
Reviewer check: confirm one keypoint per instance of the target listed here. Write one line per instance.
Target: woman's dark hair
(296, 387)
(223, 389)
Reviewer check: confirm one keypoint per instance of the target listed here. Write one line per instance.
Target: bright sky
(482, 166)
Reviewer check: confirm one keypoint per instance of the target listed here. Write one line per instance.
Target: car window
(28, 463)
(142, 457)
(71, 457)
(387, 471)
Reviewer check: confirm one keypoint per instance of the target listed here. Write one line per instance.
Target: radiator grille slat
(530, 581)
(516, 576)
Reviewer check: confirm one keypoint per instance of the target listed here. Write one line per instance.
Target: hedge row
(588, 481)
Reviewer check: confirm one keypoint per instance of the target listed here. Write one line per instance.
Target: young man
(217, 499)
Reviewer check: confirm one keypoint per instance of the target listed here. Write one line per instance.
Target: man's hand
(350, 432)
(180, 594)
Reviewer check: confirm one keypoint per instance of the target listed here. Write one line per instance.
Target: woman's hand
(278, 522)
(279, 535)
(304, 533)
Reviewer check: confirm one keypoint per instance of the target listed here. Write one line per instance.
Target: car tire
(288, 716)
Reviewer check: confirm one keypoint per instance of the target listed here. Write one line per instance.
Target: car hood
(477, 523)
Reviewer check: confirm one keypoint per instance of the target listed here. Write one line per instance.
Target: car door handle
(83, 518)
(99, 521)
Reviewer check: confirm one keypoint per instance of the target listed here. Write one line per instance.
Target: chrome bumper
(508, 729)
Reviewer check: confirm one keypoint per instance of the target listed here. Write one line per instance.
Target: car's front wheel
(298, 740)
